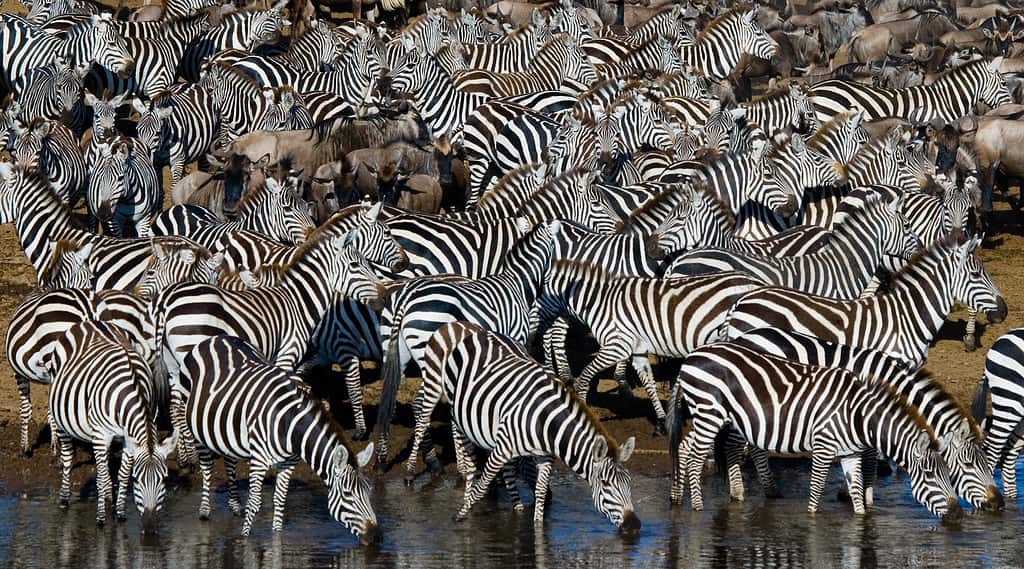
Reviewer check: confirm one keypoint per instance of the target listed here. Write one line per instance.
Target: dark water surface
(418, 532)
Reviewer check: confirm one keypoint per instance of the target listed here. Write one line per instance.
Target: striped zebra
(658, 55)
(278, 321)
(719, 47)
(515, 51)
(633, 317)
(39, 215)
(789, 408)
(783, 109)
(501, 302)
(104, 125)
(951, 96)
(1004, 379)
(272, 210)
(179, 127)
(840, 269)
(903, 321)
(317, 49)
(177, 260)
(42, 11)
(666, 23)
(53, 150)
(244, 106)
(277, 424)
(505, 402)
(630, 125)
(242, 29)
(958, 436)
(68, 266)
(52, 91)
(94, 40)
(573, 197)
(124, 192)
(559, 65)
(101, 392)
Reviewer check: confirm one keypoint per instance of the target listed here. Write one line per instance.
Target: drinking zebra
(1004, 431)
(503, 401)
(276, 424)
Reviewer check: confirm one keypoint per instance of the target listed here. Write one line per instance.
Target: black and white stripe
(125, 191)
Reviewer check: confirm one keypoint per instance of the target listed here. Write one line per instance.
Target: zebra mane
(647, 207)
(333, 426)
(926, 376)
(513, 177)
(323, 233)
(868, 152)
(721, 21)
(902, 401)
(592, 419)
(554, 183)
(586, 271)
(239, 75)
(53, 263)
(965, 69)
(172, 244)
(249, 199)
(937, 248)
(771, 96)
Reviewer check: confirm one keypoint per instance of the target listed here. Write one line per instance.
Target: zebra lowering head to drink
(785, 407)
(101, 392)
(504, 401)
(276, 423)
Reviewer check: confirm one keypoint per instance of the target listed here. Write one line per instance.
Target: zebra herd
(797, 253)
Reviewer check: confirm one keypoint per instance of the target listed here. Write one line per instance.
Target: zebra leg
(257, 472)
(610, 354)
(53, 429)
(123, 477)
(851, 471)
(231, 468)
(869, 472)
(701, 441)
(206, 471)
(508, 477)
(1009, 470)
(620, 379)
(970, 340)
(427, 398)
(464, 457)
(764, 473)
(540, 489)
(679, 474)
(186, 444)
(821, 461)
(284, 476)
(67, 456)
(735, 451)
(25, 412)
(643, 368)
(100, 451)
(354, 386)
(495, 461)
(554, 349)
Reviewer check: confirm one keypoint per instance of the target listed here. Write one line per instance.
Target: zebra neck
(45, 218)
(851, 247)
(717, 60)
(888, 425)
(313, 438)
(943, 99)
(926, 287)
(439, 102)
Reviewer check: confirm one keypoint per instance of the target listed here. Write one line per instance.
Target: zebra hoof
(970, 343)
(360, 435)
(121, 517)
(380, 467)
(204, 516)
(458, 518)
(64, 503)
(659, 428)
(435, 466)
(409, 479)
(100, 522)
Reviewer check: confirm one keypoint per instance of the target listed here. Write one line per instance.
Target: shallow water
(418, 532)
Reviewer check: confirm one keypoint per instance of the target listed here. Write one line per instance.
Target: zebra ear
(995, 64)
(524, 224)
(921, 445)
(626, 449)
(268, 94)
(857, 118)
(600, 448)
(118, 100)
(738, 113)
(273, 186)
(248, 279)
(364, 456)
(139, 106)
(83, 253)
(554, 227)
(340, 458)
(90, 99)
(374, 212)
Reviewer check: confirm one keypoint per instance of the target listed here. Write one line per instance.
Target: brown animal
(999, 148)
(219, 191)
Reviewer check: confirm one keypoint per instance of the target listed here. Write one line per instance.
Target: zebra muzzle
(630, 523)
(401, 264)
(105, 212)
(126, 69)
(370, 535)
(993, 500)
(148, 521)
(999, 314)
(653, 249)
(954, 513)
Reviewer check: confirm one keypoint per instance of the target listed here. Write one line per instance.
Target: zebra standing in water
(785, 407)
(1004, 431)
(276, 424)
(952, 96)
(959, 438)
(505, 402)
(101, 392)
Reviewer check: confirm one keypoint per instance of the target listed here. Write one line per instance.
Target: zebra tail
(980, 403)
(391, 373)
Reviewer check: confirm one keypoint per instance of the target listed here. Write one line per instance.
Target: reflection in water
(418, 532)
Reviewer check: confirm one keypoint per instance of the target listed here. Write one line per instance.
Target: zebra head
(542, 29)
(973, 285)
(919, 166)
(793, 167)
(668, 56)
(575, 145)
(610, 484)
(929, 480)
(416, 70)
(608, 127)
(889, 226)
(804, 118)
(572, 21)
(107, 183)
(264, 27)
(752, 38)
(104, 116)
(719, 126)
(469, 28)
(968, 468)
(348, 494)
(284, 110)
(578, 66)
(174, 260)
(993, 91)
(695, 84)
(686, 143)
(683, 229)
(283, 214)
(68, 266)
(842, 137)
(152, 128)
(373, 239)
(892, 162)
(352, 275)
(105, 44)
(28, 142)
(149, 469)
(957, 203)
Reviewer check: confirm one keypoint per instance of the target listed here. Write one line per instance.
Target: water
(418, 532)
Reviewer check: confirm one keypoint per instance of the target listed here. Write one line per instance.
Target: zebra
(948, 270)
(243, 29)
(718, 48)
(629, 125)
(68, 266)
(317, 49)
(278, 321)
(840, 269)
(39, 215)
(790, 408)
(657, 54)
(277, 424)
(515, 51)
(52, 149)
(101, 392)
(124, 189)
(104, 125)
(177, 260)
(517, 419)
(42, 11)
(958, 436)
(783, 109)
(1003, 378)
(243, 106)
(632, 317)
(950, 97)
(271, 210)
(179, 127)
(501, 302)
(94, 40)
(559, 65)
(51, 91)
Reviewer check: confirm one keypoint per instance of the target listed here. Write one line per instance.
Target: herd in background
(465, 191)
